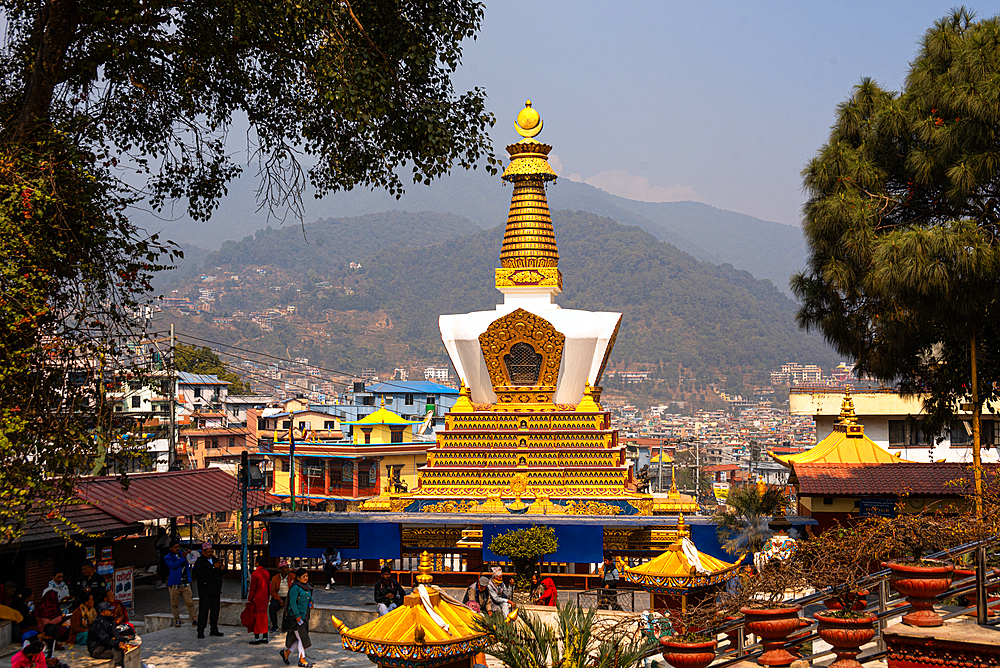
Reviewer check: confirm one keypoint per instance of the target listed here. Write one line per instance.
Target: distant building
(895, 423)
(436, 373)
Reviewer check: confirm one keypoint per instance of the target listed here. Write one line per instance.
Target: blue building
(410, 399)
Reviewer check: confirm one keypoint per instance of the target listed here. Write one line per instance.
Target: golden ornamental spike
(424, 569)
(528, 123)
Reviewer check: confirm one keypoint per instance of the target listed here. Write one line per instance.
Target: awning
(42, 531)
(152, 496)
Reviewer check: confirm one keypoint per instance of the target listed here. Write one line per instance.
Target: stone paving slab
(180, 648)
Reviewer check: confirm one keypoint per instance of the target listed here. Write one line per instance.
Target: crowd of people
(87, 614)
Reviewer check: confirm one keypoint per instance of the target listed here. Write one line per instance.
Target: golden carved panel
(520, 326)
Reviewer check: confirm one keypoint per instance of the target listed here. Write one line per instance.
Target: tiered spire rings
(529, 242)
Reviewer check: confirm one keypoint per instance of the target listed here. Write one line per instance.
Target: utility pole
(659, 475)
(697, 472)
(291, 459)
(172, 385)
(244, 485)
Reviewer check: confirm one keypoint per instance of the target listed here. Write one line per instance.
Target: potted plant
(762, 603)
(688, 643)
(908, 537)
(836, 562)
(525, 548)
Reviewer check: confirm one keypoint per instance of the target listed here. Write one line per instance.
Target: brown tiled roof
(890, 479)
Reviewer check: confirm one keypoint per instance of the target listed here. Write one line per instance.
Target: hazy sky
(719, 102)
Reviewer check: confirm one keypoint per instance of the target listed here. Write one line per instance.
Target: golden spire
(464, 403)
(424, 569)
(848, 421)
(529, 257)
(588, 404)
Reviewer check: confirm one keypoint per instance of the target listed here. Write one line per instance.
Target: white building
(895, 424)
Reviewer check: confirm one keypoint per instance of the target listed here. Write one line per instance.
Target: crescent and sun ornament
(528, 123)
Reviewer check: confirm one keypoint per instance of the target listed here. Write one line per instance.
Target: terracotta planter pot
(834, 604)
(773, 626)
(973, 596)
(846, 636)
(688, 654)
(921, 586)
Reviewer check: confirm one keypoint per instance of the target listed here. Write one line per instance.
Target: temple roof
(681, 568)
(847, 444)
(428, 626)
(383, 416)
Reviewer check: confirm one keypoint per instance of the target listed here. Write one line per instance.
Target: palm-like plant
(528, 642)
(744, 526)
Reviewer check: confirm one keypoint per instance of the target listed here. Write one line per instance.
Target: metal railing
(887, 605)
(607, 599)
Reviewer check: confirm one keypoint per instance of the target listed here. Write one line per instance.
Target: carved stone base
(961, 645)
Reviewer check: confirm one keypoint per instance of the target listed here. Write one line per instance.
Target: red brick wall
(38, 572)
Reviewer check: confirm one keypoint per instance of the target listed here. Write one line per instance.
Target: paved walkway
(150, 600)
(179, 648)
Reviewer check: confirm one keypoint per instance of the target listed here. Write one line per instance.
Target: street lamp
(250, 477)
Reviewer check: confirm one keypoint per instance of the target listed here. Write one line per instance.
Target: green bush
(525, 548)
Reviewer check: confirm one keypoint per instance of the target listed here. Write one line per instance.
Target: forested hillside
(712, 320)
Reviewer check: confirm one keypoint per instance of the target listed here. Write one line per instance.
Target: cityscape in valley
(537, 421)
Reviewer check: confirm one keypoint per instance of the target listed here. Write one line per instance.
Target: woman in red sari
(258, 596)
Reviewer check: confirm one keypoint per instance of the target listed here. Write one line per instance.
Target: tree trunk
(977, 409)
(59, 27)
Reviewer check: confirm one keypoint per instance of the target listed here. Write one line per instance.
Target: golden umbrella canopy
(429, 629)
(681, 569)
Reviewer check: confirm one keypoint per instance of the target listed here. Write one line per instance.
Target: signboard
(123, 586)
(878, 507)
(721, 490)
(344, 536)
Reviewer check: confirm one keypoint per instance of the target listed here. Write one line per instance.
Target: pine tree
(902, 225)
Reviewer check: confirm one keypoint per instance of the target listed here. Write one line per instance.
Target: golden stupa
(428, 629)
(846, 444)
(528, 433)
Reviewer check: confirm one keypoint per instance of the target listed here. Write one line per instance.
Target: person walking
(299, 606)
(280, 583)
(500, 593)
(477, 596)
(179, 582)
(162, 546)
(331, 564)
(208, 571)
(258, 596)
(388, 592)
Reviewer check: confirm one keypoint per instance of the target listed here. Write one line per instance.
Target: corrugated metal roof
(409, 386)
(42, 530)
(171, 494)
(186, 378)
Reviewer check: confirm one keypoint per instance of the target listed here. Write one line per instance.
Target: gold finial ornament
(528, 123)
(424, 569)
(529, 256)
(848, 421)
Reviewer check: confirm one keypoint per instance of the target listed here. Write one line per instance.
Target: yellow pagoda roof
(674, 572)
(847, 444)
(384, 416)
(667, 459)
(410, 633)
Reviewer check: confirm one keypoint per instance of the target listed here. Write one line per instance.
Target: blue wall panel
(579, 544)
(375, 541)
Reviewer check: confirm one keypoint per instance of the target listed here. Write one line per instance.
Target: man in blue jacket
(179, 582)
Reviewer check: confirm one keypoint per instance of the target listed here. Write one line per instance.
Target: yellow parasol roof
(673, 571)
(410, 633)
(847, 444)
